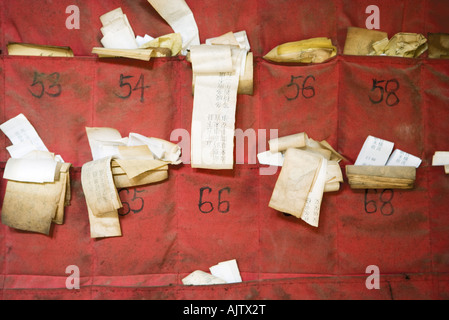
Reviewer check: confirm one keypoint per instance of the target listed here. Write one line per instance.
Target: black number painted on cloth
(45, 84)
(207, 206)
(135, 205)
(385, 198)
(379, 89)
(127, 88)
(304, 88)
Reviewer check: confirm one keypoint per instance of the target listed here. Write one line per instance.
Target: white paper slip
(227, 270)
(271, 159)
(440, 158)
(31, 170)
(19, 130)
(401, 158)
(201, 278)
(375, 152)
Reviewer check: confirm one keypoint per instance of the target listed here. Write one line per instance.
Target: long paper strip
(214, 106)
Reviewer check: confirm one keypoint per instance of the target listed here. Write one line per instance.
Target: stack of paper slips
(309, 168)
(38, 187)
(120, 163)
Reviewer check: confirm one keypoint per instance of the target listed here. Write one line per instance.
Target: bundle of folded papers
(379, 167)
(314, 50)
(364, 42)
(309, 168)
(38, 187)
(120, 163)
(119, 39)
(441, 158)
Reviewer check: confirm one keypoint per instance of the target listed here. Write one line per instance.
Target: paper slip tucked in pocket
(227, 270)
(201, 278)
(401, 158)
(315, 50)
(381, 177)
(375, 152)
(295, 182)
(438, 45)
(34, 206)
(359, 41)
(28, 49)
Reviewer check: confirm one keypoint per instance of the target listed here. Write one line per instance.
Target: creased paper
(34, 206)
(375, 152)
(201, 278)
(180, 18)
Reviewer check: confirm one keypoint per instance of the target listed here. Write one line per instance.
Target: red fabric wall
(165, 234)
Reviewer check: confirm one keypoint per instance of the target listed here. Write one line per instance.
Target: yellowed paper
(171, 42)
(135, 152)
(314, 50)
(381, 177)
(117, 31)
(135, 167)
(149, 177)
(34, 206)
(108, 225)
(298, 140)
(446, 169)
(359, 41)
(28, 49)
(408, 45)
(98, 186)
(295, 181)
(438, 45)
(138, 54)
(180, 18)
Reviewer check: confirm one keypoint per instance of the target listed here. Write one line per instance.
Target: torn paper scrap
(314, 50)
(311, 212)
(402, 158)
(180, 18)
(104, 142)
(201, 278)
(19, 130)
(227, 270)
(375, 152)
(138, 54)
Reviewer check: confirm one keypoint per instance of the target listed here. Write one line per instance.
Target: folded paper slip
(381, 177)
(34, 206)
(28, 49)
(303, 174)
(315, 50)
